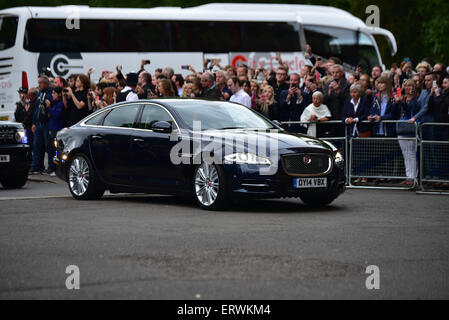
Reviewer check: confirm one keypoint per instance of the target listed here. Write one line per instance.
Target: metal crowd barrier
(373, 158)
(434, 158)
(381, 159)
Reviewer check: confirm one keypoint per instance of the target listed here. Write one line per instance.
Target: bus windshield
(352, 47)
(8, 31)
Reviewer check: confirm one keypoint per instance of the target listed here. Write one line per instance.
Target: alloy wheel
(206, 184)
(79, 176)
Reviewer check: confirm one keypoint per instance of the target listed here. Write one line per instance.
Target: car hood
(282, 140)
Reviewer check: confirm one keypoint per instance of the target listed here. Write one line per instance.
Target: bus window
(270, 36)
(8, 31)
(147, 36)
(220, 36)
(51, 35)
(160, 36)
(354, 48)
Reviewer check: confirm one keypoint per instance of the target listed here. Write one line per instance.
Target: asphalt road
(162, 247)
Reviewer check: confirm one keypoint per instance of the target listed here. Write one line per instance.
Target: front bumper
(246, 181)
(19, 158)
(60, 165)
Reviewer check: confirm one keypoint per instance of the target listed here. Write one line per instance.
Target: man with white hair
(168, 72)
(210, 90)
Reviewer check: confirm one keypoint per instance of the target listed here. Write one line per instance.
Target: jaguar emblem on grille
(307, 159)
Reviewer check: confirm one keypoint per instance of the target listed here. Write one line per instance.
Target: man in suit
(292, 103)
(210, 90)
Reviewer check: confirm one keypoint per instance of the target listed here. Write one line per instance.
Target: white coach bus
(71, 39)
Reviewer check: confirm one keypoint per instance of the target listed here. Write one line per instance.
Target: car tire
(317, 199)
(14, 181)
(209, 187)
(82, 181)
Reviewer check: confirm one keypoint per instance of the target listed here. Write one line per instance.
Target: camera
(65, 90)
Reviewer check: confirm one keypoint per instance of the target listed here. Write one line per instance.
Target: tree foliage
(421, 27)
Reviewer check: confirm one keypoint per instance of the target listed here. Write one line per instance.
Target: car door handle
(97, 137)
(138, 140)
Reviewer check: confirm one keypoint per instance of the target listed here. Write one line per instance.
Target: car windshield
(214, 115)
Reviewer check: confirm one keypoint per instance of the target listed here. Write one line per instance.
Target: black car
(15, 155)
(214, 150)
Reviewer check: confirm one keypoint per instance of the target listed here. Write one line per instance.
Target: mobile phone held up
(185, 67)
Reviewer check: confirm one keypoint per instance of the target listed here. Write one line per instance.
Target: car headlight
(334, 149)
(20, 136)
(339, 160)
(247, 158)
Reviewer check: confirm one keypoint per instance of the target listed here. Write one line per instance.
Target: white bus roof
(306, 14)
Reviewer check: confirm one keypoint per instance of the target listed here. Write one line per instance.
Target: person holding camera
(40, 126)
(56, 123)
(76, 101)
(292, 103)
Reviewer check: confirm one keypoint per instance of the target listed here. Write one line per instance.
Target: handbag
(404, 128)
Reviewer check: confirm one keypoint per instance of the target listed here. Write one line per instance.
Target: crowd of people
(322, 91)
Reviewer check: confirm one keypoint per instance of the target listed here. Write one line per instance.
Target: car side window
(152, 114)
(96, 120)
(122, 116)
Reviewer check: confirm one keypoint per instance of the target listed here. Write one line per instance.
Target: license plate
(306, 183)
(4, 157)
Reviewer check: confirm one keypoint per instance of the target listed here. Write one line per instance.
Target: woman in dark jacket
(439, 107)
(268, 106)
(76, 102)
(384, 107)
(355, 110)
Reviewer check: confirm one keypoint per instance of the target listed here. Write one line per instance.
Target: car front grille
(307, 164)
(7, 135)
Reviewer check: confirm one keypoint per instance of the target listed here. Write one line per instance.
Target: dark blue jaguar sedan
(213, 151)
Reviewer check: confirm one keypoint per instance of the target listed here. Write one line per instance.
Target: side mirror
(161, 126)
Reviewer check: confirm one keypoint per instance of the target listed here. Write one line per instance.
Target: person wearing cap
(20, 112)
(129, 91)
